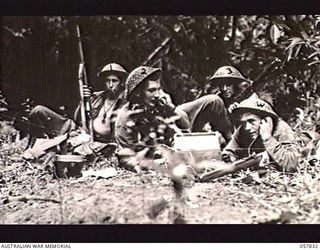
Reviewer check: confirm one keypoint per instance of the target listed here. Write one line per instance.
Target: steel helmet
(228, 72)
(137, 76)
(256, 105)
(113, 68)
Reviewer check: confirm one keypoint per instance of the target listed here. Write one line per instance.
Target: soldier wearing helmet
(141, 121)
(104, 103)
(228, 82)
(150, 117)
(112, 77)
(260, 130)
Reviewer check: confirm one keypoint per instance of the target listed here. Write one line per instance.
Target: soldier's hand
(233, 106)
(165, 100)
(87, 92)
(266, 127)
(207, 127)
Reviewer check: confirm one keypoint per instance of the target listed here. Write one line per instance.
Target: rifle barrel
(80, 44)
(83, 82)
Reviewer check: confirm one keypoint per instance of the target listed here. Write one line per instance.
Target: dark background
(39, 54)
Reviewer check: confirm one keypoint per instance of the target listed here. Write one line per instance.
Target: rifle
(85, 104)
(157, 50)
(230, 168)
(269, 69)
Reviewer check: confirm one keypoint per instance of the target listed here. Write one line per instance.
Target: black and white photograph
(160, 119)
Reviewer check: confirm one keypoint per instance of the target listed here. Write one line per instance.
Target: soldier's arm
(183, 122)
(282, 147)
(230, 152)
(126, 130)
(285, 154)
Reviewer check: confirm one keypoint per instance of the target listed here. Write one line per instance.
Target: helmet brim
(121, 74)
(129, 93)
(237, 112)
(233, 78)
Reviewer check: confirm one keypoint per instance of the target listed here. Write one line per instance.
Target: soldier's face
(251, 124)
(112, 82)
(227, 90)
(152, 92)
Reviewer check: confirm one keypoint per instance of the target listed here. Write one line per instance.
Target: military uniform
(281, 147)
(48, 122)
(53, 124)
(135, 130)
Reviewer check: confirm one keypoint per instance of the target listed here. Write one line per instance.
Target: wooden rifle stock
(85, 104)
(245, 163)
(248, 162)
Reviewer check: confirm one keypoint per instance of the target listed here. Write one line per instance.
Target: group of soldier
(135, 112)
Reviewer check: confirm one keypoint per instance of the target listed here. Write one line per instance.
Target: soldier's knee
(213, 100)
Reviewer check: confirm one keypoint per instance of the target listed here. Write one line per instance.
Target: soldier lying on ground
(104, 104)
(262, 130)
(150, 118)
(262, 139)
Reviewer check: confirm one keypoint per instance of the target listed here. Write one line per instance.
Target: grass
(31, 195)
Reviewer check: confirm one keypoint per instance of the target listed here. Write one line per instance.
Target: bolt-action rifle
(229, 168)
(85, 104)
(270, 70)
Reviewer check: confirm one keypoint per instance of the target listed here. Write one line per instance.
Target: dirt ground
(29, 194)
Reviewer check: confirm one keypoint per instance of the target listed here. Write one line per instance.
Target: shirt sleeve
(282, 147)
(286, 154)
(127, 135)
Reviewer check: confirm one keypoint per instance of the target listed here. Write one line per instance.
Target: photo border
(158, 233)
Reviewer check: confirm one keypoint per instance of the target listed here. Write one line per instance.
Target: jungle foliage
(40, 56)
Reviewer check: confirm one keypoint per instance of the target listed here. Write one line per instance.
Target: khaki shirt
(282, 148)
